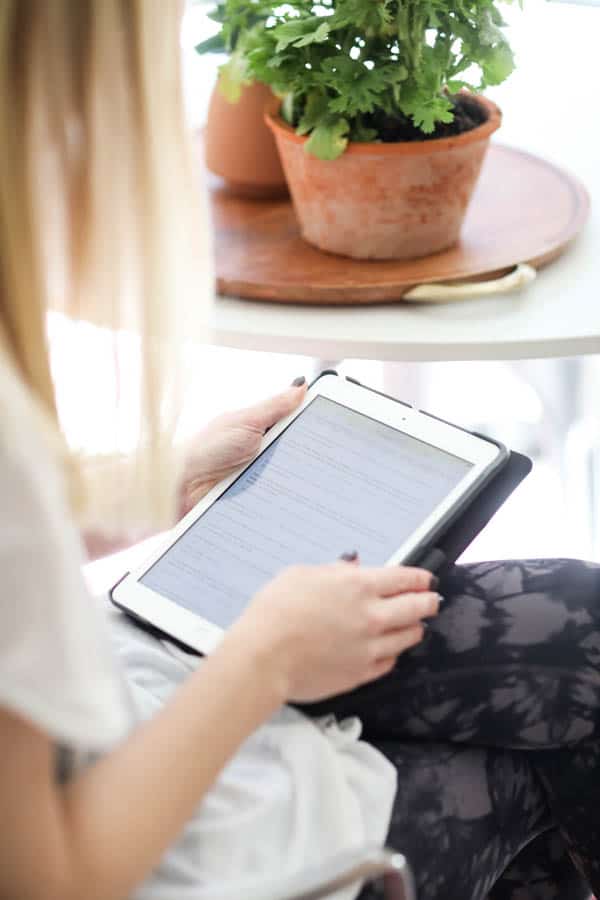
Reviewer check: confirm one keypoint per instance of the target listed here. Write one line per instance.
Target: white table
(559, 314)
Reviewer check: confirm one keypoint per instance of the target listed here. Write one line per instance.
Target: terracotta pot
(240, 148)
(385, 201)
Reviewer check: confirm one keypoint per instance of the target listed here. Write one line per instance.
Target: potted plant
(238, 145)
(381, 129)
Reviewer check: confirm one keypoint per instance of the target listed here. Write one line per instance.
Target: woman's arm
(312, 632)
(224, 444)
(103, 833)
(108, 506)
(98, 545)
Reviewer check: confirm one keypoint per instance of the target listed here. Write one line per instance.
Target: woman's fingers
(380, 668)
(396, 642)
(391, 580)
(404, 610)
(267, 413)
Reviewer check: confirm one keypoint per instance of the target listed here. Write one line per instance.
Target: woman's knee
(571, 581)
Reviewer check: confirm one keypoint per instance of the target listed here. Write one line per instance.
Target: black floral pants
(493, 723)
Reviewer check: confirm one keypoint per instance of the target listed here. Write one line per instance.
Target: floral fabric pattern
(493, 723)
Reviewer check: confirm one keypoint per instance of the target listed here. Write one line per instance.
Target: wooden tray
(524, 210)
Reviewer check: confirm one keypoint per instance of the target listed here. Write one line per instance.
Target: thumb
(265, 414)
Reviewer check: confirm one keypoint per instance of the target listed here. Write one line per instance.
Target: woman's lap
(461, 815)
(510, 661)
(509, 665)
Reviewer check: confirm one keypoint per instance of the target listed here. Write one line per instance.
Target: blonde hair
(102, 219)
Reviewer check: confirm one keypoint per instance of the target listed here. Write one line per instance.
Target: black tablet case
(450, 543)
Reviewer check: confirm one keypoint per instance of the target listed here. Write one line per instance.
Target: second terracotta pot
(385, 200)
(240, 148)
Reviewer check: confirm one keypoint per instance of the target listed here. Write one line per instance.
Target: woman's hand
(231, 440)
(323, 630)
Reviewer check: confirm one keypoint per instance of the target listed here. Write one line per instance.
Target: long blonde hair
(101, 218)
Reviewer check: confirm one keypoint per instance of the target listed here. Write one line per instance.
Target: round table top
(557, 315)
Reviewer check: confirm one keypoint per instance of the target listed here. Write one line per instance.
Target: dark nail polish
(299, 381)
(434, 583)
(350, 556)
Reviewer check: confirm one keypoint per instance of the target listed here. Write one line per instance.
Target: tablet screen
(335, 480)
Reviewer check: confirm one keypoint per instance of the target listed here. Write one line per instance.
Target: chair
(363, 864)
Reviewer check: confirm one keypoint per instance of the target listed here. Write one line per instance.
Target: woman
(222, 781)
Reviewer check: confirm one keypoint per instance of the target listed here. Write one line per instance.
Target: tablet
(351, 469)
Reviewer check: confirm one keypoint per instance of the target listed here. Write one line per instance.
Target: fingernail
(433, 604)
(434, 583)
(350, 556)
(299, 381)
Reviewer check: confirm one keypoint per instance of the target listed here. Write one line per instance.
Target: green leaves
(497, 64)
(426, 111)
(489, 33)
(355, 88)
(361, 133)
(354, 69)
(233, 75)
(329, 139)
(214, 44)
(236, 18)
(301, 33)
(374, 17)
(315, 111)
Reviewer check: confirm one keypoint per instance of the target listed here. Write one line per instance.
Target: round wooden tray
(524, 210)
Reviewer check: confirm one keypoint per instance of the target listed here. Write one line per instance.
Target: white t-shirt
(56, 667)
(297, 791)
